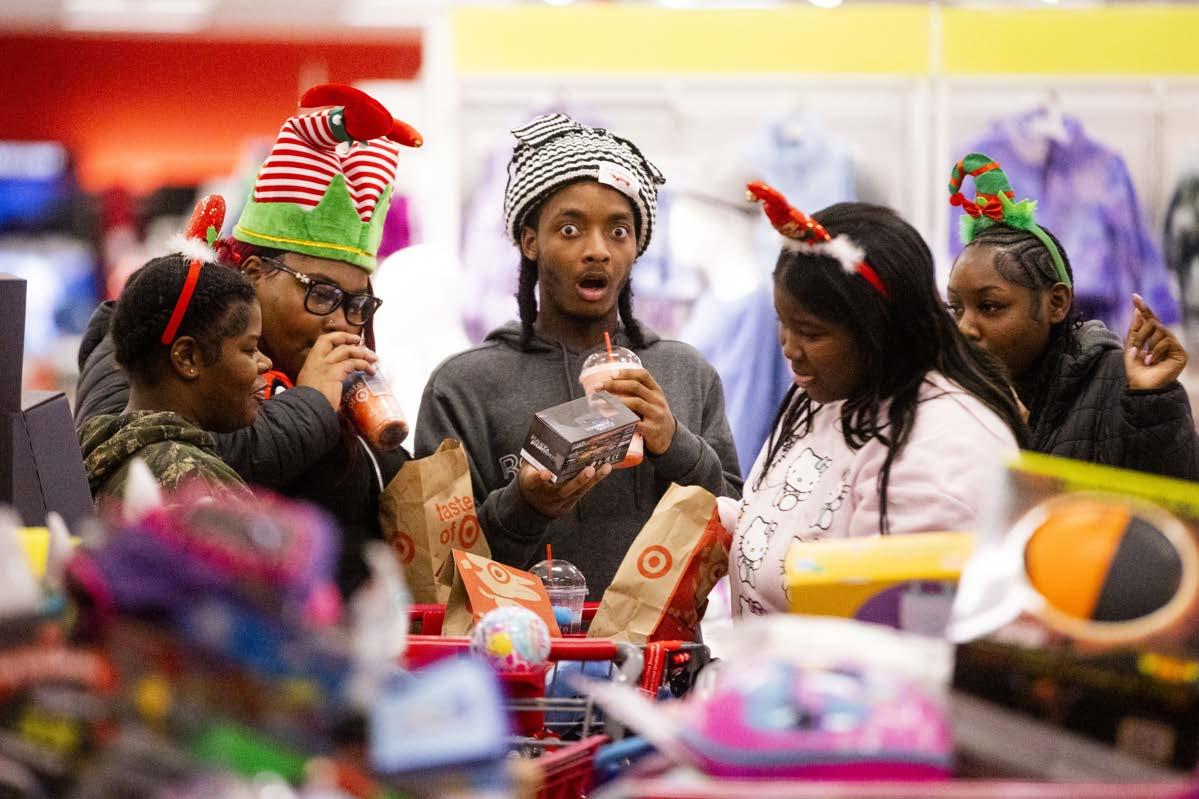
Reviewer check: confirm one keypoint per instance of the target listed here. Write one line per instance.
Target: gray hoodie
(486, 397)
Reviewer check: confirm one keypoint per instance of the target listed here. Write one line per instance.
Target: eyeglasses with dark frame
(324, 297)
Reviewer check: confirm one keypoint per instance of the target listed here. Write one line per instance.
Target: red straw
(549, 552)
(608, 342)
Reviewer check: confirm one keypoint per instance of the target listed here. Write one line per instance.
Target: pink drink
(598, 369)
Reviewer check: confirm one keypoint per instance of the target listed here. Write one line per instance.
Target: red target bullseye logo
(498, 574)
(468, 531)
(654, 562)
(404, 547)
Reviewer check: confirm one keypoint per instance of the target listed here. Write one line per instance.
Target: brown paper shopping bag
(666, 576)
(477, 585)
(427, 511)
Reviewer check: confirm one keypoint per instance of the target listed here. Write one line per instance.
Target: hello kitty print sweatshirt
(820, 488)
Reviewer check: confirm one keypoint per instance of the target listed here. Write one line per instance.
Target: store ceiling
(332, 17)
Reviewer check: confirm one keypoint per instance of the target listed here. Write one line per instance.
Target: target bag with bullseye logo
(427, 511)
(663, 582)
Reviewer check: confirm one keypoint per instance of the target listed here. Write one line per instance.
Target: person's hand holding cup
(615, 369)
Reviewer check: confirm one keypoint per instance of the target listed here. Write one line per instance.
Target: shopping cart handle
(423, 650)
(583, 649)
(426, 649)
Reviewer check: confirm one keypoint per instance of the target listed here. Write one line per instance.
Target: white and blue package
(448, 715)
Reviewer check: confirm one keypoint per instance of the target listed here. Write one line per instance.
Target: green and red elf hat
(325, 188)
(805, 234)
(995, 204)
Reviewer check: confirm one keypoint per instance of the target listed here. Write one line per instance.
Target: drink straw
(549, 554)
(608, 342)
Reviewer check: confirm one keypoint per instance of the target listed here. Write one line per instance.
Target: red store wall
(141, 112)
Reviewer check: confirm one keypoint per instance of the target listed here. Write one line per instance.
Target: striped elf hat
(325, 188)
(554, 150)
(995, 204)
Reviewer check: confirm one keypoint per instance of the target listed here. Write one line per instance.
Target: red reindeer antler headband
(206, 220)
(807, 235)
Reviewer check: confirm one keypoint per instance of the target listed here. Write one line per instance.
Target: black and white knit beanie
(555, 150)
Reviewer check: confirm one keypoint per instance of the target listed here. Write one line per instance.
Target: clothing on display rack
(798, 156)
(739, 336)
(1086, 197)
(1182, 249)
(422, 289)
(740, 339)
(489, 260)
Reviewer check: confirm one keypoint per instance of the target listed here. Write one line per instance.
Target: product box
(903, 581)
(1080, 606)
(590, 431)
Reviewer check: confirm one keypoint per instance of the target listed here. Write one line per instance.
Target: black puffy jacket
(1080, 406)
(298, 446)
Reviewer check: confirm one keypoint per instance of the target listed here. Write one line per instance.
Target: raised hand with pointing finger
(1153, 355)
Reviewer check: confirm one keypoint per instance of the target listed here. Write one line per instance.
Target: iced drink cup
(598, 369)
(374, 411)
(567, 590)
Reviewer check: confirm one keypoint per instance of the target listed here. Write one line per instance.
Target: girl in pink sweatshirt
(896, 423)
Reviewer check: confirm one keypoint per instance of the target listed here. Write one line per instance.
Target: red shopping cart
(545, 711)
(552, 723)
(428, 619)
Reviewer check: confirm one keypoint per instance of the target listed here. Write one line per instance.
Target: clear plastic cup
(567, 589)
(374, 410)
(598, 369)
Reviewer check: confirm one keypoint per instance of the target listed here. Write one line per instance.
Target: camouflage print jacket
(176, 450)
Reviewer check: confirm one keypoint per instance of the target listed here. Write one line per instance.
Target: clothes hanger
(1048, 121)
(795, 127)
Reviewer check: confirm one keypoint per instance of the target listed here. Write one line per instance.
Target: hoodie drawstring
(571, 382)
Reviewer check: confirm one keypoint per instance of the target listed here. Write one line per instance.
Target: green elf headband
(995, 205)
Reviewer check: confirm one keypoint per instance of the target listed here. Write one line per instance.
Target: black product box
(1143, 703)
(590, 431)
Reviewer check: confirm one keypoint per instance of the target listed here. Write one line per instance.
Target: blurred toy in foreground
(1081, 606)
(216, 663)
(54, 714)
(807, 697)
(904, 581)
(512, 639)
(272, 554)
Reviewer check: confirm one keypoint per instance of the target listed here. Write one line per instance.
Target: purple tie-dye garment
(1086, 198)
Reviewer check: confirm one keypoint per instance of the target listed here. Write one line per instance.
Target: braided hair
(526, 296)
(219, 308)
(1023, 259)
(899, 339)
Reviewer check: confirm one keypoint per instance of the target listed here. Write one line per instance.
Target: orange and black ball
(1102, 559)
